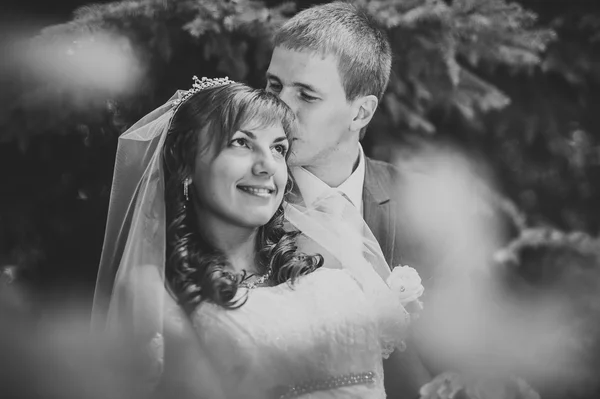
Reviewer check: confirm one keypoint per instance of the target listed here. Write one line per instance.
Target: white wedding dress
(323, 337)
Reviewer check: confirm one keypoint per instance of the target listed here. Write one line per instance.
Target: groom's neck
(337, 167)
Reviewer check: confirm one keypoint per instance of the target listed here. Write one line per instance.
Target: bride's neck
(237, 243)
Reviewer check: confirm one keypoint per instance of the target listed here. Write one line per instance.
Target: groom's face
(311, 86)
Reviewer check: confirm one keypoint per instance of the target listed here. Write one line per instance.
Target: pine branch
(498, 32)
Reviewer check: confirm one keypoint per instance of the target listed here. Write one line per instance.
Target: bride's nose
(264, 164)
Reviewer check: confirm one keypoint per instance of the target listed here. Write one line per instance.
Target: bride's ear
(364, 109)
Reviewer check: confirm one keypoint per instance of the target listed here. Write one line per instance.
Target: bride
(205, 273)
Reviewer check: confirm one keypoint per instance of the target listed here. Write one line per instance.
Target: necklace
(256, 283)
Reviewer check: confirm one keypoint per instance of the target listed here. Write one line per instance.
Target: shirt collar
(311, 187)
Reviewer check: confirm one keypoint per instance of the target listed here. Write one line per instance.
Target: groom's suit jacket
(380, 199)
(389, 217)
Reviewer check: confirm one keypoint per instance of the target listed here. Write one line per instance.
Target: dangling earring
(186, 189)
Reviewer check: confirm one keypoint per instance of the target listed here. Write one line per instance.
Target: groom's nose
(287, 96)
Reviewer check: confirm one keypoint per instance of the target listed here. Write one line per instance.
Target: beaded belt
(327, 383)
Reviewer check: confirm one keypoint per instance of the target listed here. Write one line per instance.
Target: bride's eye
(239, 142)
(273, 87)
(281, 149)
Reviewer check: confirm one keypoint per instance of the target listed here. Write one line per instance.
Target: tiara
(199, 85)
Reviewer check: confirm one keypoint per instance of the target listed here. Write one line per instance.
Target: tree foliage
(545, 145)
(435, 44)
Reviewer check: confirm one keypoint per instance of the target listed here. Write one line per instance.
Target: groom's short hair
(354, 37)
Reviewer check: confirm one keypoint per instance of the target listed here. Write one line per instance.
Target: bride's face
(244, 183)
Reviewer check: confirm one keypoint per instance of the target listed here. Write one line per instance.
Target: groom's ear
(364, 109)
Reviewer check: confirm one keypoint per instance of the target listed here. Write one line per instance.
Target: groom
(331, 64)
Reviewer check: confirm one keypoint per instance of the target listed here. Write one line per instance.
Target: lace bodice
(323, 337)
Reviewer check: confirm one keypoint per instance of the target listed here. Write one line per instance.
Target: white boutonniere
(405, 282)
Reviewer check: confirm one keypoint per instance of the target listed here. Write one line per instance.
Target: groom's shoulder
(391, 173)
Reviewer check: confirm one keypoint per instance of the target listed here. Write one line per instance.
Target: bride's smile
(259, 191)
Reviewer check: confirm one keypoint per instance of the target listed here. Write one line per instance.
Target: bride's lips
(257, 190)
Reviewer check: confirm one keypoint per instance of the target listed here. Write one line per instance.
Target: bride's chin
(256, 219)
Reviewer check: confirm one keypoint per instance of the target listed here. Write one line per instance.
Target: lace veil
(131, 299)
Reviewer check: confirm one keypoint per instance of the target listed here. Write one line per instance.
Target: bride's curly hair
(196, 270)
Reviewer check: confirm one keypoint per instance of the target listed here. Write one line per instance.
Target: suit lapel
(379, 208)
